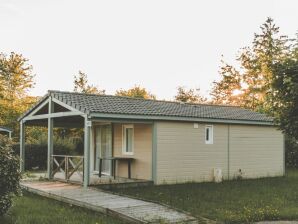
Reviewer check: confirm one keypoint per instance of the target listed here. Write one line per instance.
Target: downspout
(154, 152)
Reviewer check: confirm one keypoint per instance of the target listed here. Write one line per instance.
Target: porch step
(129, 209)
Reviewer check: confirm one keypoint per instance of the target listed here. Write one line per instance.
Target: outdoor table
(114, 159)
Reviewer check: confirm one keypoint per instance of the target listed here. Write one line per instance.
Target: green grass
(33, 209)
(239, 201)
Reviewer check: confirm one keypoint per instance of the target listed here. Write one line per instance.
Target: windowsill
(127, 153)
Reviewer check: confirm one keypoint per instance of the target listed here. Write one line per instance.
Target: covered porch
(116, 151)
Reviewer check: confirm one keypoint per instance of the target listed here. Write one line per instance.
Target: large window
(128, 136)
(209, 134)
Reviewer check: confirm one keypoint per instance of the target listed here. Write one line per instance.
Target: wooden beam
(50, 141)
(53, 115)
(87, 127)
(65, 105)
(38, 108)
(121, 121)
(22, 146)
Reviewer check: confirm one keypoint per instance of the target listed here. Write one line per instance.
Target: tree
(228, 89)
(285, 94)
(81, 85)
(16, 79)
(250, 84)
(136, 92)
(189, 96)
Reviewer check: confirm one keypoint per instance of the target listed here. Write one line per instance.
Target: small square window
(209, 134)
(128, 138)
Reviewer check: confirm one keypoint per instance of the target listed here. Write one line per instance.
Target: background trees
(249, 85)
(16, 79)
(189, 95)
(137, 92)
(81, 85)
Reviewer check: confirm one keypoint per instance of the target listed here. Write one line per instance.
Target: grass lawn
(33, 209)
(241, 201)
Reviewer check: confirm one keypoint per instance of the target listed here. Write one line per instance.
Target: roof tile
(136, 106)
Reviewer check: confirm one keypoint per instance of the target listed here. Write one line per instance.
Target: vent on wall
(195, 125)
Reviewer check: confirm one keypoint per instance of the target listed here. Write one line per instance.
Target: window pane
(207, 134)
(129, 132)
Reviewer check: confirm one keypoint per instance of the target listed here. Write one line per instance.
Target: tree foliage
(137, 92)
(284, 96)
(16, 79)
(9, 175)
(249, 85)
(81, 85)
(189, 95)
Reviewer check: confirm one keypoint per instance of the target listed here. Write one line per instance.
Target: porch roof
(119, 107)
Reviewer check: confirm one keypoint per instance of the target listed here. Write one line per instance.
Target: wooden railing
(68, 165)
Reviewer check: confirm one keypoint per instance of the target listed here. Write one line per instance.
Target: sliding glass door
(103, 149)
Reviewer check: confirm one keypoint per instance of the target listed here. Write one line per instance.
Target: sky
(156, 44)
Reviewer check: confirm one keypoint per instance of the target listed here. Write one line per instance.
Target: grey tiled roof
(107, 104)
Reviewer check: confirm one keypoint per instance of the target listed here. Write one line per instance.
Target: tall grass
(239, 201)
(33, 209)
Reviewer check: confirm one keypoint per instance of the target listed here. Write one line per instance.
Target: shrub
(291, 146)
(9, 174)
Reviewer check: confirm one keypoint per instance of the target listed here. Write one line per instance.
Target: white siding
(183, 156)
(256, 150)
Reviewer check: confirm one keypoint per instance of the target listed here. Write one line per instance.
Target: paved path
(278, 222)
(132, 210)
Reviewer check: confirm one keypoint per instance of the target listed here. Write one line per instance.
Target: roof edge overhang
(5, 129)
(45, 98)
(40, 101)
(175, 118)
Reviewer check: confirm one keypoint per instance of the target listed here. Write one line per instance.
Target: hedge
(36, 154)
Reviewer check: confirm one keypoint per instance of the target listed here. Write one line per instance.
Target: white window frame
(124, 127)
(211, 131)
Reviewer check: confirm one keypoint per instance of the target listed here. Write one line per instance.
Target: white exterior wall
(256, 150)
(183, 156)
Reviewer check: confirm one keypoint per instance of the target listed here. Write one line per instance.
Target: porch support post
(50, 141)
(22, 146)
(87, 127)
